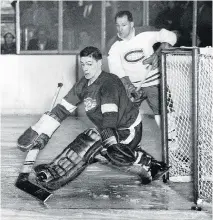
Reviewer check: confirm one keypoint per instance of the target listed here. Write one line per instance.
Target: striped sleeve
(167, 36)
(109, 105)
(68, 104)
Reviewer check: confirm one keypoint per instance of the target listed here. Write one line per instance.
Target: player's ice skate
(153, 169)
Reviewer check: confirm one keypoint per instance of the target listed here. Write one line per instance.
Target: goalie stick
(56, 95)
(23, 182)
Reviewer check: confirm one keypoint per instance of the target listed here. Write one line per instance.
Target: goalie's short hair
(92, 52)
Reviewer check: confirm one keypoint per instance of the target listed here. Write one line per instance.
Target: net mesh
(205, 128)
(179, 107)
(178, 68)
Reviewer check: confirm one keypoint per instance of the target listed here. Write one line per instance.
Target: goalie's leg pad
(119, 155)
(71, 162)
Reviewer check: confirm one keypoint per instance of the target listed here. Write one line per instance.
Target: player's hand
(152, 60)
(137, 97)
(30, 139)
(40, 133)
(132, 92)
(135, 94)
(42, 141)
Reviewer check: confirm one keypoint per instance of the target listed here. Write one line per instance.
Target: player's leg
(70, 162)
(153, 169)
(171, 126)
(158, 120)
(122, 156)
(153, 99)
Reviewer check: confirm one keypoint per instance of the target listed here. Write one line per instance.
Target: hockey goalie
(116, 137)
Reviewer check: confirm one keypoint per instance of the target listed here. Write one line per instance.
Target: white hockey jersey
(137, 72)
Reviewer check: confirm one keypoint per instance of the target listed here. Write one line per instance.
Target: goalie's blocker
(71, 162)
(40, 133)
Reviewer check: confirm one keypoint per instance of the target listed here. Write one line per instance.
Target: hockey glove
(137, 97)
(130, 88)
(40, 133)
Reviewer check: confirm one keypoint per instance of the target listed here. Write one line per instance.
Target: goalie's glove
(40, 133)
(137, 97)
(131, 90)
(117, 153)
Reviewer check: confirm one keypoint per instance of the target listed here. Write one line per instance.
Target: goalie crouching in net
(118, 133)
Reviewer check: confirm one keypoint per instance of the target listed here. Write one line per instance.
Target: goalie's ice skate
(144, 161)
(158, 169)
(153, 169)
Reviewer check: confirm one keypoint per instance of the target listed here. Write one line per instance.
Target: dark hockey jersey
(105, 101)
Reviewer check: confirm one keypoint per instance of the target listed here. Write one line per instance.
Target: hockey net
(179, 70)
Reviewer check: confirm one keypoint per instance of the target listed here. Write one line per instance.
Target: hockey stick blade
(23, 182)
(25, 185)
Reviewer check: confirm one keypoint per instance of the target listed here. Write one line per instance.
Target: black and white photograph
(106, 110)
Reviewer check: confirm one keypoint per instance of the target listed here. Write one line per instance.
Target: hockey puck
(196, 208)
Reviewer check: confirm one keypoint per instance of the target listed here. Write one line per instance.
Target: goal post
(187, 117)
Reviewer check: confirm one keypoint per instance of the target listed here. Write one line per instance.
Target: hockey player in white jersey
(132, 58)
